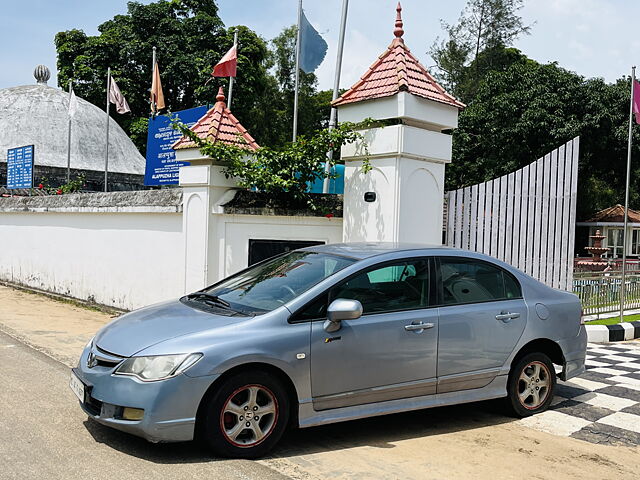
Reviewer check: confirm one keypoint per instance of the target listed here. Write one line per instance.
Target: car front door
(389, 352)
(482, 316)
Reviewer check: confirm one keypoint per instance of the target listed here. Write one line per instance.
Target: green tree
(476, 44)
(190, 39)
(529, 109)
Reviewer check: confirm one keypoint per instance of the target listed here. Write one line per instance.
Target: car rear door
(482, 317)
(389, 352)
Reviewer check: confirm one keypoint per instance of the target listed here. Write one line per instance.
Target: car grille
(102, 358)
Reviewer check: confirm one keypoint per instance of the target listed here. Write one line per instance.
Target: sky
(595, 38)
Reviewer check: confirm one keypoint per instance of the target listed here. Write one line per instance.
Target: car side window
(314, 310)
(474, 281)
(398, 286)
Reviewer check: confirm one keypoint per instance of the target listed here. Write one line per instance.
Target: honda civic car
(327, 334)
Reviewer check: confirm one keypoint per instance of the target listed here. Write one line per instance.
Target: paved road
(44, 434)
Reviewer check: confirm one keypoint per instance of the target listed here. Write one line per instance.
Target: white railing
(526, 218)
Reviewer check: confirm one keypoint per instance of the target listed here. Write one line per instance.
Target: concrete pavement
(44, 434)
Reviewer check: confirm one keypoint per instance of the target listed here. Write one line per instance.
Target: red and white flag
(116, 97)
(227, 65)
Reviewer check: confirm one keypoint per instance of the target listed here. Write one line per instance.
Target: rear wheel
(531, 384)
(246, 415)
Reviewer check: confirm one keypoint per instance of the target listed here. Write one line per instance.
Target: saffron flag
(116, 97)
(73, 104)
(313, 47)
(636, 100)
(157, 97)
(227, 65)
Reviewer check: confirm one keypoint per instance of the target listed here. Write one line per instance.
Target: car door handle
(418, 326)
(507, 316)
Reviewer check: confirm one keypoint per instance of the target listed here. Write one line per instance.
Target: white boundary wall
(124, 260)
(128, 256)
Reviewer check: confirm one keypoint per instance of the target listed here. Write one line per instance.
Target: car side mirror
(341, 309)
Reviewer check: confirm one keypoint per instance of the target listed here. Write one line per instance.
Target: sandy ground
(59, 329)
(463, 442)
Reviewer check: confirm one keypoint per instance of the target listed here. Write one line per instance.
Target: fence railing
(526, 218)
(600, 292)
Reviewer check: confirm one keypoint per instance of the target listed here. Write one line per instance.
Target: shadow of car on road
(377, 432)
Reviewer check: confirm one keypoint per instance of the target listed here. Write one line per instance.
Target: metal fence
(526, 218)
(600, 292)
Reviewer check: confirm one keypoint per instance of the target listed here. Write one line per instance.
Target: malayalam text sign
(162, 167)
(20, 167)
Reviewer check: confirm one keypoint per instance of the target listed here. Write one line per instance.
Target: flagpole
(69, 135)
(336, 90)
(154, 105)
(295, 92)
(626, 200)
(106, 150)
(231, 79)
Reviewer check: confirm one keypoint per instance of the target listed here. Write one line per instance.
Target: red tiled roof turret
(219, 125)
(397, 70)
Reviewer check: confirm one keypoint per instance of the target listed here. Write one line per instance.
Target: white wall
(235, 231)
(133, 258)
(125, 260)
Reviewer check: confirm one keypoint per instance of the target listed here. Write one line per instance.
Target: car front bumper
(170, 405)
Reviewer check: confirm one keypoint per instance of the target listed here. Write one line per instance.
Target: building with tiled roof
(610, 222)
(219, 125)
(397, 70)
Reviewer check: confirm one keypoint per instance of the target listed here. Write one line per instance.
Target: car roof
(364, 250)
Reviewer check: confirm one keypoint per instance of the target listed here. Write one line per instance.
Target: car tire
(225, 425)
(531, 385)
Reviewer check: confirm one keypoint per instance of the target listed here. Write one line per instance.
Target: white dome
(37, 115)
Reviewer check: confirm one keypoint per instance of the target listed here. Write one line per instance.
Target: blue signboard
(20, 167)
(162, 167)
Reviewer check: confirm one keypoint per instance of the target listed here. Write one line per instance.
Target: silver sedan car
(327, 334)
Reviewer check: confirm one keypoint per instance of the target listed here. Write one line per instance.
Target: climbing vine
(283, 172)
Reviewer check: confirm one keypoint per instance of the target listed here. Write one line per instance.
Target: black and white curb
(613, 333)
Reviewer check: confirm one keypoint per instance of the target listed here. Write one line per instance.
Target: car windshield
(269, 285)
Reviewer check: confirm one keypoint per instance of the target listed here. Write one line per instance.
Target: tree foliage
(529, 109)
(284, 172)
(476, 44)
(190, 38)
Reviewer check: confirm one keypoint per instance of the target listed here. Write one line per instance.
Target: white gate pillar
(401, 198)
(205, 188)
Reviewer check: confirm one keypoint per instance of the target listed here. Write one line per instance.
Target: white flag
(116, 97)
(73, 104)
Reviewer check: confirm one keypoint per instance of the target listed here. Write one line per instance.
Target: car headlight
(159, 367)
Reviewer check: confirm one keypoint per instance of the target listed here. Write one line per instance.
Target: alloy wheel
(249, 416)
(534, 385)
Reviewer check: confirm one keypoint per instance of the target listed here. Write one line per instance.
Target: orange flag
(157, 97)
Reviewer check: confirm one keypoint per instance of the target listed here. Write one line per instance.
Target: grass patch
(614, 320)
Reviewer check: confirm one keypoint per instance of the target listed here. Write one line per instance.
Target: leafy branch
(285, 172)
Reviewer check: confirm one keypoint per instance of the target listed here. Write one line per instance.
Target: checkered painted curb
(613, 333)
(603, 404)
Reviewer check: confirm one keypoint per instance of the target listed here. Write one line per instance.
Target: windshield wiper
(210, 298)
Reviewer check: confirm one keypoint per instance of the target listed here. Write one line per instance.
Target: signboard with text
(162, 167)
(20, 167)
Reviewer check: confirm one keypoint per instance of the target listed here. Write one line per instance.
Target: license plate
(77, 386)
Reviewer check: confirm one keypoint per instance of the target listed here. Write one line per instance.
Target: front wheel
(246, 415)
(531, 384)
